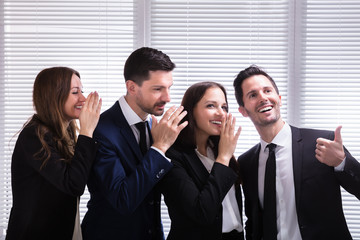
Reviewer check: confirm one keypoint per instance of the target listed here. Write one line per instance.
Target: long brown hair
(186, 138)
(51, 90)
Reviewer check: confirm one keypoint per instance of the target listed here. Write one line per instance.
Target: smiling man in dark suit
(125, 203)
(310, 167)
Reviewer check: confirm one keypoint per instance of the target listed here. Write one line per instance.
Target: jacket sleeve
(201, 204)
(123, 179)
(69, 178)
(349, 178)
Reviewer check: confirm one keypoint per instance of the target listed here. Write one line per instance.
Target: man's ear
(131, 87)
(280, 104)
(243, 111)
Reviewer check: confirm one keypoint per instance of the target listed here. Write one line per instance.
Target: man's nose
(166, 96)
(262, 96)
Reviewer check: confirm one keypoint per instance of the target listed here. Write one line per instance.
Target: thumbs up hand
(330, 152)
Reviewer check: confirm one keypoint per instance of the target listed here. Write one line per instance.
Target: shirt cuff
(341, 166)
(163, 154)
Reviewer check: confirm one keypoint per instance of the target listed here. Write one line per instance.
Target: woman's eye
(210, 105)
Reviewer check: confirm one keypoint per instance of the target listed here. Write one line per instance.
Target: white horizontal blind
(213, 40)
(330, 85)
(208, 40)
(92, 36)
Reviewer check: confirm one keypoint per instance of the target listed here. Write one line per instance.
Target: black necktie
(269, 217)
(142, 143)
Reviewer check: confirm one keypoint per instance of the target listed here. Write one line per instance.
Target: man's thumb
(337, 137)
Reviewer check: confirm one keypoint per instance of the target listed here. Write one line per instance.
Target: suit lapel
(297, 155)
(197, 169)
(126, 131)
(255, 180)
(256, 210)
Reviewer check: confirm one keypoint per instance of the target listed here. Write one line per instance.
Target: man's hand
(330, 152)
(166, 131)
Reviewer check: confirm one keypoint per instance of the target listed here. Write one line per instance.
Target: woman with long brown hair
(50, 163)
(202, 190)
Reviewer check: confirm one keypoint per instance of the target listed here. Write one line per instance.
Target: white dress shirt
(132, 118)
(287, 223)
(231, 213)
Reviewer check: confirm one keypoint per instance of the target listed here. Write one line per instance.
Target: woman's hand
(90, 114)
(228, 140)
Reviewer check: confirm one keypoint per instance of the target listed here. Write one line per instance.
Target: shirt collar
(280, 139)
(129, 114)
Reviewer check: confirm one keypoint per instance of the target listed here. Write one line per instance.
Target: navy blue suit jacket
(124, 202)
(317, 189)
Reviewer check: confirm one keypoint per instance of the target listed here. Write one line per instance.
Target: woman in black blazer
(50, 164)
(202, 189)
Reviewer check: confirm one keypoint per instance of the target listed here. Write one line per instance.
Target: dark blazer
(194, 197)
(123, 201)
(45, 201)
(317, 189)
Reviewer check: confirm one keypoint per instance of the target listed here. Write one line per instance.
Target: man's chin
(158, 113)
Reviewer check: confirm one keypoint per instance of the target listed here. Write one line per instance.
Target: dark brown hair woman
(50, 164)
(202, 189)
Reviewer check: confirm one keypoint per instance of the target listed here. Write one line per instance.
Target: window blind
(213, 40)
(92, 36)
(311, 49)
(330, 86)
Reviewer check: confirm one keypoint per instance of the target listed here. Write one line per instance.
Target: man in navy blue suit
(124, 201)
(310, 167)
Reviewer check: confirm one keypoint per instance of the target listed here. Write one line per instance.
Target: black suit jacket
(45, 201)
(317, 189)
(194, 197)
(124, 203)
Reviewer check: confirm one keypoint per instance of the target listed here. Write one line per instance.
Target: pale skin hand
(90, 114)
(330, 152)
(228, 140)
(166, 131)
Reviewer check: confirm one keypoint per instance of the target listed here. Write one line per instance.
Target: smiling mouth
(216, 122)
(265, 109)
(78, 107)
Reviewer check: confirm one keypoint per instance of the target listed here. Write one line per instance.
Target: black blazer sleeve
(68, 178)
(189, 190)
(349, 178)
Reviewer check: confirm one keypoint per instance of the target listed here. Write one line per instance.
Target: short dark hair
(142, 61)
(244, 74)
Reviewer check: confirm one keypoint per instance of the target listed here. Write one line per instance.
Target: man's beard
(151, 110)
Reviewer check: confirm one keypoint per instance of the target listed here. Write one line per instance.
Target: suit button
(151, 202)
(160, 173)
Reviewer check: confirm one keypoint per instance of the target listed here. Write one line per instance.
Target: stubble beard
(263, 123)
(152, 110)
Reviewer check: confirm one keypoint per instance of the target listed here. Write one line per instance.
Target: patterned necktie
(269, 216)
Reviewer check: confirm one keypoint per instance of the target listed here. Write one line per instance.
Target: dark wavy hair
(186, 138)
(51, 90)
